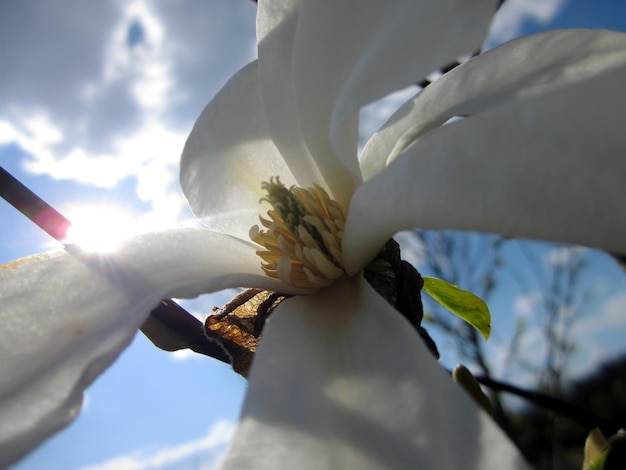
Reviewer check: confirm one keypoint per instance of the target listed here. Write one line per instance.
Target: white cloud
(150, 152)
(97, 93)
(610, 318)
(563, 256)
(599, 335)
(136, 55)
(151, 155)
(525, 305)
(42, 130)
(210, 449)
(514, 14)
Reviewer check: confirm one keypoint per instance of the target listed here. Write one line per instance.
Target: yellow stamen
(303, 237)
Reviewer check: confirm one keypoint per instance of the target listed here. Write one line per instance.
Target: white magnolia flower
(340, 379)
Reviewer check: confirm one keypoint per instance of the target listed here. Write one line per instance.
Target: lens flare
(99, 227)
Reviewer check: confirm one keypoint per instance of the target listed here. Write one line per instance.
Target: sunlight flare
(99, 228)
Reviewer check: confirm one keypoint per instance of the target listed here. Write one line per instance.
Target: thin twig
(583, 417)
(32, 206)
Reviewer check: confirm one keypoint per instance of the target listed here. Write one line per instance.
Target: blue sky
(96, 100)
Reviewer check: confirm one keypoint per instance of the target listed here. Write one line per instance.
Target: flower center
(303, 237)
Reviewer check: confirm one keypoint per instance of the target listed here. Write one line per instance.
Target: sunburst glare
(99, 227)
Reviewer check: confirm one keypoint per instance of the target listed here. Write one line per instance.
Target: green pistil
(285, 203)
(290, 209)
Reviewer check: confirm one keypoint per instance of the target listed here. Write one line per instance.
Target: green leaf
(462, 303)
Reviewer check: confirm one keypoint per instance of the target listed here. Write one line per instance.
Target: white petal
(550, 167)
(515, 70)
(276, 30)
(64, 321)
(320, 61)
(341, 380)
(227, 156)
